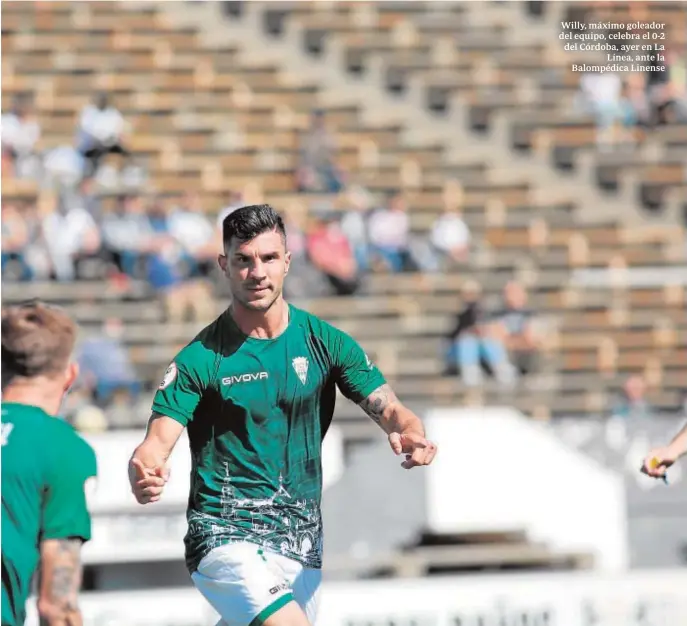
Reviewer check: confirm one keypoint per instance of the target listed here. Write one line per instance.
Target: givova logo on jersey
(243, 378)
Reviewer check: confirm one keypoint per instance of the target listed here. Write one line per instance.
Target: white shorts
(246, 584)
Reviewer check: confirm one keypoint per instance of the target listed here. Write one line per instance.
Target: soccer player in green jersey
(46, 468)
(256, 390)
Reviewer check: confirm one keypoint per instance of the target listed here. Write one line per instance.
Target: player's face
(256, 269)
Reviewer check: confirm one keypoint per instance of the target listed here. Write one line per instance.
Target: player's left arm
(66, 526)
(59, 582)
(405, 429)
(361, 381)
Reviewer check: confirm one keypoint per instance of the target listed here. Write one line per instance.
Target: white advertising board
(635, 599)
(531, 481)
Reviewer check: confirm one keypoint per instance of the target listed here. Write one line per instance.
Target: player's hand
(658, 461)
(147, 483)
(418, 450)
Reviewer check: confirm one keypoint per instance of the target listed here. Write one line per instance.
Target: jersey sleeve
(72, 472)
(184, 383)
(356, 375)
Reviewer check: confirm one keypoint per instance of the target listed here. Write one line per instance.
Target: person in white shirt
(101, 127)
(128, 235)
(194, 231)
(389, 233)
(71, 235)
(354, 225)
(450, 238)
(20, 135)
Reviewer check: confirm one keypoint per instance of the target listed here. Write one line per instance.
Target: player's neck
(261, 324)
(43, 394)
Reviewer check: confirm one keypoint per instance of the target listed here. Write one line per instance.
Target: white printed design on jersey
(300, 364)
(169, 377)
(6, 430)
(369, 363)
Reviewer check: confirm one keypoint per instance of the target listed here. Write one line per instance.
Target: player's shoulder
(207, 343)
(66, 445)
(335, 339)
(69, 439)
(314, 324)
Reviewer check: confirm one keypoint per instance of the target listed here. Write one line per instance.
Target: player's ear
(72, 374)
(287, 262)
(222, 262)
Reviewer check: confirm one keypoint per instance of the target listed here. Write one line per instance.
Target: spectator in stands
(15, 237)
(105, 365)
(305, 280)
(632, 403)
(473, 342)
(606, 97)
(63, 167)
(514, 327)
(101, 129)
(172, 273)
(666, 89)
(389, 235)
(193, 230)
(20, 135)
(128, 235)
(449, 239)
(330, 252)
(354, 225)
(72, 239)
(35, 250)
(317, 169)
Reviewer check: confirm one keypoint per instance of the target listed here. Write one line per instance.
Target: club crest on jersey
(300, 365)
(169, 377)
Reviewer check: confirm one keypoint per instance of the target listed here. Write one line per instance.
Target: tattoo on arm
(378, 402)
(60, 582)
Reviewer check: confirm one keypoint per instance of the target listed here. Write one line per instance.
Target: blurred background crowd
(97, 211)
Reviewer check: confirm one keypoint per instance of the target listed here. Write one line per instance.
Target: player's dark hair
(250, 221)
(37, 340)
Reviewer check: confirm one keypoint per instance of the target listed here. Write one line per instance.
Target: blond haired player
(46, 468)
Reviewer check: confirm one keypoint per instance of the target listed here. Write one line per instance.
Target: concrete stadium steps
(477, 16)
(459, 554)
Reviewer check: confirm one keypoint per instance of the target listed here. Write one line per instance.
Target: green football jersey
(257, 411)
(45, 469)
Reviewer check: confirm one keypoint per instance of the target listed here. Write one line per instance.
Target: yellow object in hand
(654, 463)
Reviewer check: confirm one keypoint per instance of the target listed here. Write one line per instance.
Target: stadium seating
(206, 116)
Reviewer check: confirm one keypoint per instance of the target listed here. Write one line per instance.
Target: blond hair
(37, 340)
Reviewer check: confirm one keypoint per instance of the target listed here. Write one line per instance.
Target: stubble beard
(259, 306)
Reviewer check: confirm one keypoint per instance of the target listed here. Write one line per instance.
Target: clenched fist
(147, 483)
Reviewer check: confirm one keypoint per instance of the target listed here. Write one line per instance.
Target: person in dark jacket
(472, 342)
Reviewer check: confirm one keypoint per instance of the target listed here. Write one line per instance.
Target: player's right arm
(148, 470)
(174, 406)
(660, 459)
